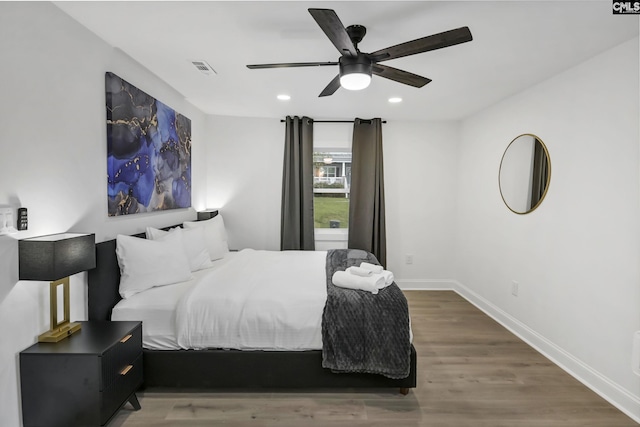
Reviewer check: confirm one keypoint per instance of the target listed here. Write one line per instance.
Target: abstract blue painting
(148, 152)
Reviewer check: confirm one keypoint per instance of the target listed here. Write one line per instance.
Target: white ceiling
(516, 45)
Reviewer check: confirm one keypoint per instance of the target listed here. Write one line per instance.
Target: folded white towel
(359, 271)
(377, 269)
(388, 277)
(347, 280)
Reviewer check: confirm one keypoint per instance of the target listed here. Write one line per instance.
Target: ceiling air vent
(203, 67)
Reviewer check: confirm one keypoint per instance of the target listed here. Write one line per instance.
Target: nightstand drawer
(121, 355)
(84, 379)
(127, 380)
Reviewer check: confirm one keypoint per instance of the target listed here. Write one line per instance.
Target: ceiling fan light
(355, 72)
(355, 81)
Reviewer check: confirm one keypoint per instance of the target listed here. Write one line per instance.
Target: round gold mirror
(525, 172)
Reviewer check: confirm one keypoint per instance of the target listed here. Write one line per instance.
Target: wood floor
(471, 372)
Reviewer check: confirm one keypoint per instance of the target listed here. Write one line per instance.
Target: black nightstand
(82, 380)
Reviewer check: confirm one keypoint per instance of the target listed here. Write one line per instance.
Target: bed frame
(226, 369)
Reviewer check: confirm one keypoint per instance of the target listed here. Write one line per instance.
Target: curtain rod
(333, 121)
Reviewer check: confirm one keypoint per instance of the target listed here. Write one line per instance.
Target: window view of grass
(331, 187)
(328, 208)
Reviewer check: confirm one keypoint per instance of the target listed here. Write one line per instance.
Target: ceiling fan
(357, 67)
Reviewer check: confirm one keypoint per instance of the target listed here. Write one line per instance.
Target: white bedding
(287, 293)
(249, 300)
(156, 309)
(263, 300)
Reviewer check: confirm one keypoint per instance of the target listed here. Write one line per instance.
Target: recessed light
(395, 100)
(283, 97)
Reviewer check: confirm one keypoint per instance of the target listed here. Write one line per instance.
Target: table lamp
(54, 258)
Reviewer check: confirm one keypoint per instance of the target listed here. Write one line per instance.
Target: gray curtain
(297, 186)
(367, 229)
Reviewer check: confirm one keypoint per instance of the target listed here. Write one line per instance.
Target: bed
(169, 366)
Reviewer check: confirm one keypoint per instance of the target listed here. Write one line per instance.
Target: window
(331, 187)
(331, 171)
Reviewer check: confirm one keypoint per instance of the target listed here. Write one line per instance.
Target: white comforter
(258, 300)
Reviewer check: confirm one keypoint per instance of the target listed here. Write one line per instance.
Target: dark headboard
(104, 280)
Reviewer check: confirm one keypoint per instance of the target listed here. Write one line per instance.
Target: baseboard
(608, 390)
(426, 285)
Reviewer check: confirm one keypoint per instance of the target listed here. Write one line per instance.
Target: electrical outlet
(408, 259)
(514, 288)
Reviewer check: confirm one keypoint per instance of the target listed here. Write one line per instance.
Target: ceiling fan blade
(291, 64)
(333, 28)
(399, 76)
(425, 44)
(332, 87)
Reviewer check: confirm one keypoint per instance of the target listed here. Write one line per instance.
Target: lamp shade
(207, 214)
(53, 257)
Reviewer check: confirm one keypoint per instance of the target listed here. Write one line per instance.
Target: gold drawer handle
(125, 370)
(125, 339)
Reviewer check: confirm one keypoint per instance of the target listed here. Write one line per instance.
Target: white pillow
(145, 264)
(215, 235)
(194, 245)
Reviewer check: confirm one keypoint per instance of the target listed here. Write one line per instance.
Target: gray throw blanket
(363, 332)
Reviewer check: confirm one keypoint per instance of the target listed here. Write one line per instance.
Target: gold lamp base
(63, 329)
(60, 333)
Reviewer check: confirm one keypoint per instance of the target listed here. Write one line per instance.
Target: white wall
(576, 256)
(244, 161)
(420, 177)
(53, 159)
(245, 182)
